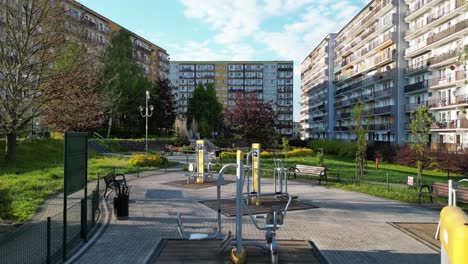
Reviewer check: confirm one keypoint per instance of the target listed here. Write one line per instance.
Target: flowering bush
(299, 152)
(231, 155)
(147, 160)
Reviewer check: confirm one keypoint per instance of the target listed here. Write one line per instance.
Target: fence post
(83, 219)
(48, 239)
(113, 168)
(165, 165)
(138, 171)
(93, 208)
(97, 184)
(338, 173)
(388, 184)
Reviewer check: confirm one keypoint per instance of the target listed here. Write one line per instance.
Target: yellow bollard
(201, 162)
(453, 235)
(256, 174)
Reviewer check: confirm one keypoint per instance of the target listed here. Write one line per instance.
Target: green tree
(205, 109)
(361, 144)
(124, 83)
(32, 36)
(421, 121)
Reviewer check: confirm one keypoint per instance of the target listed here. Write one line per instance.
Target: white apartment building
(272, 80)
(368, 69)
(438, 31)
(317, 91)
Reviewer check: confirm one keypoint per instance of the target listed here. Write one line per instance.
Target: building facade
(272, 80)
(317, 91)
(97, 31)
(437, 34)
(368, 69)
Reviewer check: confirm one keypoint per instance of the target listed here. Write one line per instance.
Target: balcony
(379, 127)
(441, 58)
(415, 106)
(418, 5)
(447, 80)
(382, 93)
(415, 68)
(384, 58)
(384, 110)
(416, 86)
(450, 124)
(448, 32)
(446, 147)
(449, 101)
(416, 49)
(341, 128)
(343, 115)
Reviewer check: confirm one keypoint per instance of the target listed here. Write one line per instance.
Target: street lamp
(148, 112)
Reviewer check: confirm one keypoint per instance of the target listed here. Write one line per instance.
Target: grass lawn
(397, 174)
(38, 173)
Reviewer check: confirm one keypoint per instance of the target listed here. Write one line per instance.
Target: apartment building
(97, 30)
(437, 34)
(272, 80)
(368, 69)
(317, 91)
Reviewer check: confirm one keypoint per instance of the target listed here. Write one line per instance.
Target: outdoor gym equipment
(280, 179)
(453, 229)
(202, 168)
(274, 220)
(255, 182)
(217, 234)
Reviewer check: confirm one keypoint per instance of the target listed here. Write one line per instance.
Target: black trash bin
(121, 201)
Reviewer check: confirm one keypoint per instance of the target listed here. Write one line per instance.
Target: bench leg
(419, 198)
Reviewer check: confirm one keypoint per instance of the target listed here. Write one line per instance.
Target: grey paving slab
(347, 228)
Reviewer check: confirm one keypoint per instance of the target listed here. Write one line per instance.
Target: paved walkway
(347, 228)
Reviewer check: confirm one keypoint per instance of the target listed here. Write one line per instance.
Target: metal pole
(388, 184)
(450, 190)
(146, 117)
(239, 203)
(48, 239)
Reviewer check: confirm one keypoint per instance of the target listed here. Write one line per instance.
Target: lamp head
(147, 94)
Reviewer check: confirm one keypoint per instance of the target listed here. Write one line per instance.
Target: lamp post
(148, 112)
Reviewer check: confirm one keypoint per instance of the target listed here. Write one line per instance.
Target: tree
(421, 121)
(74, 101)
(124, 83)
(251, 118)
(164, 105)
(205, 109)
(32, 36)
(361, 144)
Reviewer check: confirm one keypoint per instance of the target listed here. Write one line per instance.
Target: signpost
(410, 181)
(75, 174)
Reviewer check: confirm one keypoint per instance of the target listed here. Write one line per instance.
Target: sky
(233, 29)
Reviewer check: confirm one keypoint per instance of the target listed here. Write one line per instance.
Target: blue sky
(233, 29)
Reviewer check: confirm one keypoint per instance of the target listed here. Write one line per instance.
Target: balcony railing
(441, 58)
(447, 79)
(382, 93)
(380, 110)
(448, 101)
(416, 86)
(448, 32)
(377, 127)
(418, 5)
(418, 66)
(450, 124)
(415, 106)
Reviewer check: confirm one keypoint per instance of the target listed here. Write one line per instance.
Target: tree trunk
(10, 147)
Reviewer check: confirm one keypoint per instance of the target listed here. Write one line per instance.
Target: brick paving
(347, 228)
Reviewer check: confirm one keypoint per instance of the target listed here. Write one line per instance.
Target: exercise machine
(202, 169)
(253, 178)
(280, 178)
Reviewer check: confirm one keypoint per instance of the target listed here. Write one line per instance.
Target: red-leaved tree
(251, 118)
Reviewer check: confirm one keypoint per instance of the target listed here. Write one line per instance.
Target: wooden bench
(112, 182)
(438, 189)
(321, 172)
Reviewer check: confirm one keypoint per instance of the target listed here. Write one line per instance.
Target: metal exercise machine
(273, 221)
(280, 179)
(202, 169)
(253, 178)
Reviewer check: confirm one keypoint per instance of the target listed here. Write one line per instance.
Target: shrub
(340, 148)
(285, 143)
(267, 154)
(147, 160)
(299, 152)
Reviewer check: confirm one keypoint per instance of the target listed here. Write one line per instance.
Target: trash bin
(121, 201)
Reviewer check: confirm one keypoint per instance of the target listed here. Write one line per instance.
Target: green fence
(41, 241)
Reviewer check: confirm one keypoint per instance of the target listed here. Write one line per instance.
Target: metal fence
(41, 241)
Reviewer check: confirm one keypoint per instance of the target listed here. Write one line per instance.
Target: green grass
(38, 173)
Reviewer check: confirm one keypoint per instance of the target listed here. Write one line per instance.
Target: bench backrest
(440, 189)
(306, 169)
(109, 178)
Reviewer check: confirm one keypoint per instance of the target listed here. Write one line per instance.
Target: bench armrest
(425, 186)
